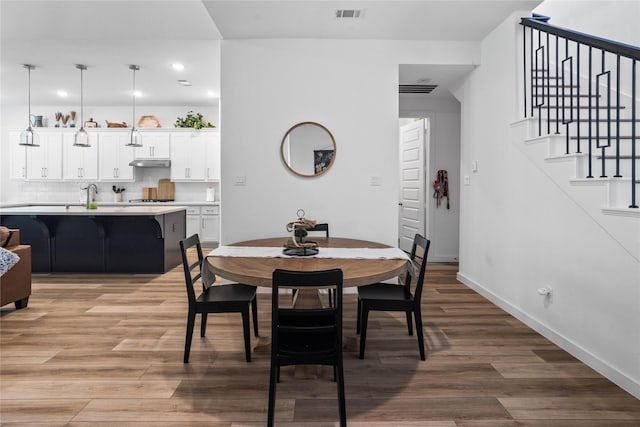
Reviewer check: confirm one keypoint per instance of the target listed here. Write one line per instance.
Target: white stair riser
(571, 171)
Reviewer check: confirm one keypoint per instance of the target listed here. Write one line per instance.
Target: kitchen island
(122, 239)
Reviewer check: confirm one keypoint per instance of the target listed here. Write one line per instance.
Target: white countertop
(105, 203)
(122, 210)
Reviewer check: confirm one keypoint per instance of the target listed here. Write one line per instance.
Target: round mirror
(308, 149)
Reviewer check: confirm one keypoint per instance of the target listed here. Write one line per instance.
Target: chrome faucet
(88, 188)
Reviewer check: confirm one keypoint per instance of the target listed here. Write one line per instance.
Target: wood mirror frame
(320, 157)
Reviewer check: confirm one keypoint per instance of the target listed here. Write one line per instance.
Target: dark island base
(101, 244)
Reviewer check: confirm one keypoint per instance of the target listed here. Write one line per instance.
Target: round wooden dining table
(258, 271)
(356, 271)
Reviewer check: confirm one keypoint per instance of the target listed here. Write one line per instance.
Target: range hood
(151, 163)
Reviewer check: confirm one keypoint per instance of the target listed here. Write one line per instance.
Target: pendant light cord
(29, 118)
(133, 117)
(135, 140)
(82, 137)
(81, 101)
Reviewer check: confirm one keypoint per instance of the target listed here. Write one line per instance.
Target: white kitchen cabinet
(212, 153)
(155, 145)
(115, 156)
(44, 163)
(79, 162)
(188, 157)
(205, 221)
(18, 155)
(210, 224)
(193, 220)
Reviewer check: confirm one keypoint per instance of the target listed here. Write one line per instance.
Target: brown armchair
(15, 284)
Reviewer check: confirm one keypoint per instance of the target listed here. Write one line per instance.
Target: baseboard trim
(443, 258)
(608, 371)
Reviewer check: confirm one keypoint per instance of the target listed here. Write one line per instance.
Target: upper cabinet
(115, 156)
(44, 163)
(156, 145)
(79, 162)
(194, 155)
(188, 155)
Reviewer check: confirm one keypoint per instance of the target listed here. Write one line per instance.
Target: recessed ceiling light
(184, 82)
(137, 94)
(211, 93)
(177, 66)
(62, 93)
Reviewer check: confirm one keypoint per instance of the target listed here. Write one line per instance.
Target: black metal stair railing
(583, 95)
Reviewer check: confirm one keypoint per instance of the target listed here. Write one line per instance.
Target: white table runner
(276, 252)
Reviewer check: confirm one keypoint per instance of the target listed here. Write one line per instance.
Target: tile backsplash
(70, 191)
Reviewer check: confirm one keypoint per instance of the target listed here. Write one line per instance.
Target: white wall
(444, 121)
(15, 117)
(596, 17)
(351, 87)
(519, 231)
(614, 20)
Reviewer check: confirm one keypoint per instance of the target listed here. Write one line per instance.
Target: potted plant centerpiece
(297, 244)
(301, 234)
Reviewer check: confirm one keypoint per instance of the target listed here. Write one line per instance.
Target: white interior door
(412, 183)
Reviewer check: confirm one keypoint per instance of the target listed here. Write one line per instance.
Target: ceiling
(109, 35)
(382, 20)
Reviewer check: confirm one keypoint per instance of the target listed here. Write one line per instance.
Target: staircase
(581, 109)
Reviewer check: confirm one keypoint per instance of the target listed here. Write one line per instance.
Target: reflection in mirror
(308, 149)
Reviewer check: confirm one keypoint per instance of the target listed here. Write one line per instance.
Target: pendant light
(136, 137)
(82, 137)
(27, 137)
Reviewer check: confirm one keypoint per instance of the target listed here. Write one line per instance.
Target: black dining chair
(306, 336)
(322, 226)
(231, 298)
(391, 297)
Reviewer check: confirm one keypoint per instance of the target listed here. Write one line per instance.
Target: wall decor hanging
(441, 187)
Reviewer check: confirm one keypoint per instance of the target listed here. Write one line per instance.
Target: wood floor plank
(93, 389)
(25, 357)
(182, 409)
(86, 371)
(402, 408)
(97, 351)
(546, 423)
(575, 408)
(29, 410)
(545, 370)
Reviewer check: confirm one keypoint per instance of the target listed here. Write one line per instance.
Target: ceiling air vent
(349, 13)
(417, 88)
